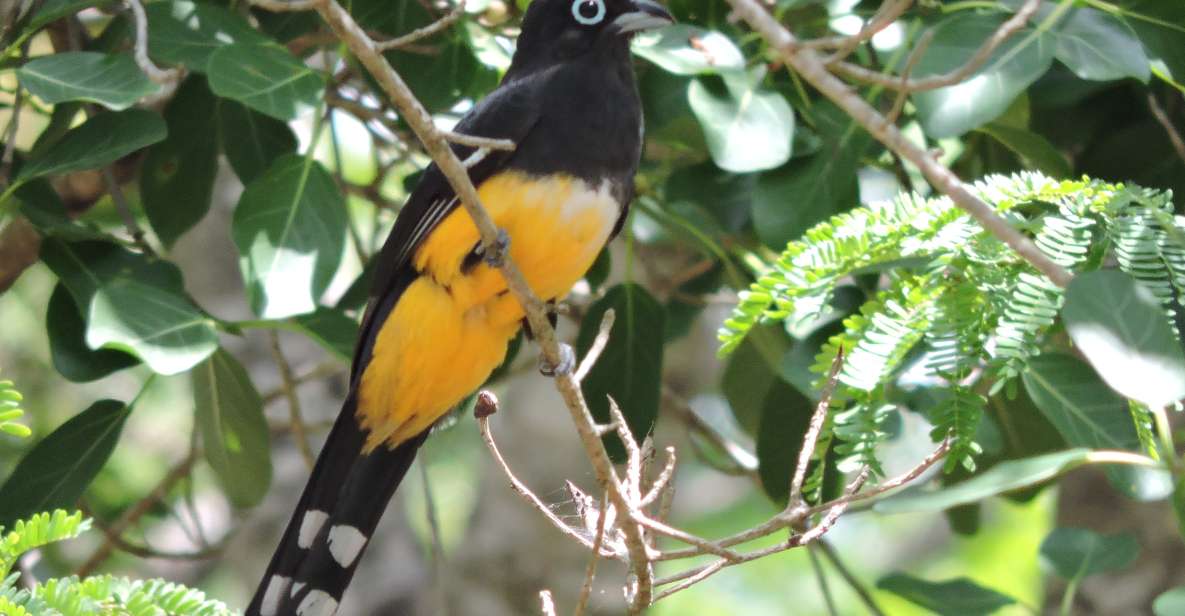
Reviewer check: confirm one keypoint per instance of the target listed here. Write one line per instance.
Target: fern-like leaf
(37, 531)
(860, 429)
(981, 311)
(957, 417)
(10, 410)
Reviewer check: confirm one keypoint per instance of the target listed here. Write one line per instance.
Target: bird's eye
(588, 12)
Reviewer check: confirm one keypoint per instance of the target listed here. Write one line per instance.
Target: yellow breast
(450, 328)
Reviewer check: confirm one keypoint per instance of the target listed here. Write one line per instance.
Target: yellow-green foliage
(951, 287)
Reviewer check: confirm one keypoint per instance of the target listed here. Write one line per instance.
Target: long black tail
(338, 511)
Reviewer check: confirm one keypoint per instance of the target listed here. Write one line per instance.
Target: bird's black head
(557, 31)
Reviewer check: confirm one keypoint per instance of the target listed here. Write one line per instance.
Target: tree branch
(981, 56)
(810, 66)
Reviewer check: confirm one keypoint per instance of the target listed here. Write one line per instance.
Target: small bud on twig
(487, 404)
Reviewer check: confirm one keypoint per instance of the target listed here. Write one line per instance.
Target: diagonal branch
(976, 62)
(810, 66)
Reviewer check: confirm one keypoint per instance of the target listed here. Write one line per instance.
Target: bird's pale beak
(647, 15)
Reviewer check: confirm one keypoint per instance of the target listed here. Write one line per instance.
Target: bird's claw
(566, 365)
(496, 256)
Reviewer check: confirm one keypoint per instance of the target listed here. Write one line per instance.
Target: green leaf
(177, 179)
(229, 413)
(1084, 411)
(630, 367)
(45, 479)
(748, 378)
(393, 19)
(789, 200)
(10, 412)
(1001, 478)
(67, 343)
(727, 196)
(331, 329)
(266, 78)
(443, 78)
(748, 128)
(133, 303)
(1078, 404)
(956, 109)
(1076, 553)
(1121, 328)
(102, 140)
(251, 140)
(290, 228)
(187, 33)
(785, 417)
(1100, 47)
(110, 80)
(1032, 148)
(37, 531)
(956, 597)
(600, 269)
(15, 429)
(53, 10)
(1158, 24)
(43, 207)
(685, 49)
(1170, 602)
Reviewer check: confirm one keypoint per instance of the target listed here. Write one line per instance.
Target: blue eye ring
(588, 20)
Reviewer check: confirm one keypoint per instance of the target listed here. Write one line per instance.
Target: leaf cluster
(956, 306)
(74, 596)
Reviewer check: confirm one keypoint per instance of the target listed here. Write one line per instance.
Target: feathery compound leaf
(957, 417)
(860, 429)
(981, 312)
(39, 530)
(10, 410)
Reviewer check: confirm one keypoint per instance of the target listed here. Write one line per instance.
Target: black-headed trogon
(440, 316)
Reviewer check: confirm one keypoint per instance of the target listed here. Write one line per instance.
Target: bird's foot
(566, 366)
(496, 255)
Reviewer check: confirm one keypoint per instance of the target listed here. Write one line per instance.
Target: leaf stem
(1165, 432)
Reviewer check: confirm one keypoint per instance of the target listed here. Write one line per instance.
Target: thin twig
(438, 582)
(833, 512)
(791, 516)
(888, 12)
(133, 514)
(425, 32)
(821, 578)
(144, 551)
(852, 581)
(814, 429)
(155, 73)
(910, 63)
(286, 5)
(478, 142)
(809, 65)
(1167, 123)
(125, 211)
(706, 546)
(598, 345)
(660, 483)
(297, 425)
(590, 571)
(698, 577)
(891, 484)
(956, 75)
(742, 458)
(13, 124)
(483, 425)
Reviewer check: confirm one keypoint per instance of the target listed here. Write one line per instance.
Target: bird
(440, 315)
